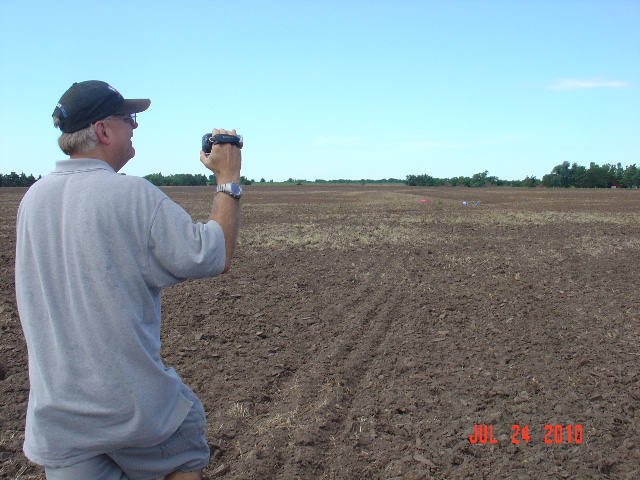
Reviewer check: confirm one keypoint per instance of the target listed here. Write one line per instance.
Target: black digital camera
(208, 140)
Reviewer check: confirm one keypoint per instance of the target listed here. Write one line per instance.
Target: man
(94, 249)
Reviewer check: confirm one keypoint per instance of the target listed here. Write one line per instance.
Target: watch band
(232, 189)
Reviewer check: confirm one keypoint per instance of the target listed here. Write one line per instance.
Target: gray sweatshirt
(94, 250)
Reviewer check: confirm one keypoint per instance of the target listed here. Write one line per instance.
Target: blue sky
(335, 89)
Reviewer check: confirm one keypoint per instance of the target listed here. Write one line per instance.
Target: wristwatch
(233, 189)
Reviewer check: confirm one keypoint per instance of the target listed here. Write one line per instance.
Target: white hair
(82, 141)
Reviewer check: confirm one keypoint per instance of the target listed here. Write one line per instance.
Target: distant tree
(482, 179)
(560, 176)
(551, 180)
(631, 176)
(179, 179)
(564, 175)
(578, 176)
(616, 173)
(15, 180)
(156, 178)
(460, 182)
(531, 182)
(596, 177)
(423, 180)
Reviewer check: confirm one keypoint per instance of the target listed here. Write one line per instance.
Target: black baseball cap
(87, 102)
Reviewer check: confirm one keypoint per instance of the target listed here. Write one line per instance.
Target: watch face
(236, 189)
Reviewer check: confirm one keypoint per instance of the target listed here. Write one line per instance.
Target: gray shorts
(186, 451)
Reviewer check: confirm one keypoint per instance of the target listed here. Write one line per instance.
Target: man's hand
(225, 160)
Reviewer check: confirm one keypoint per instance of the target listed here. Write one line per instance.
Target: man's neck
(97, 154)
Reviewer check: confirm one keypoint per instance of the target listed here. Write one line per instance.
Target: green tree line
(180, 179)
(482, 179)
(565, 175)
(15, 180)
(186, 180)
(596, 176)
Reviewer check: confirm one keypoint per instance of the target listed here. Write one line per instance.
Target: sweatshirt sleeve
(180, 249)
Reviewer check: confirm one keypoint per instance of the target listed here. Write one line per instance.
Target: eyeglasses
(131, 119)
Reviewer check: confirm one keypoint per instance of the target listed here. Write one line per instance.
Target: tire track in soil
(310, 414)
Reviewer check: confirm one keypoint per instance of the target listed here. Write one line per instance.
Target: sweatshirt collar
(82, 165)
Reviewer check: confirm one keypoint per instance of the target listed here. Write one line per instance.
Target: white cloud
(579, 84)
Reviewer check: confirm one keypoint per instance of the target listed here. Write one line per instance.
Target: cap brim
(132, 106)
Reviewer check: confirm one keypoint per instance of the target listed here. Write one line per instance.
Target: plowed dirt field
(364, 332)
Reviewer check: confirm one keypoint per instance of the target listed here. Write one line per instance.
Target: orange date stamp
(522, 434)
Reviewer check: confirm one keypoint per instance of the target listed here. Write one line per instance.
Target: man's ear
(104, 135)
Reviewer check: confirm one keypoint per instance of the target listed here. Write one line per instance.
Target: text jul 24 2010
(523, 434)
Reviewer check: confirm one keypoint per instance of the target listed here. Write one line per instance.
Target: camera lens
(206, 143)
